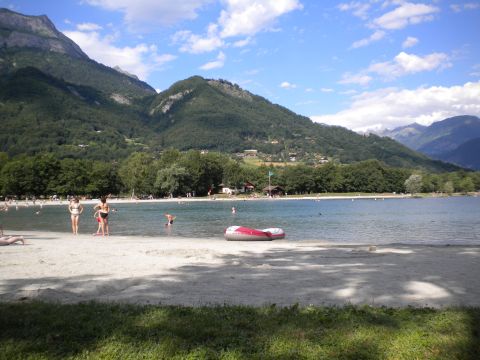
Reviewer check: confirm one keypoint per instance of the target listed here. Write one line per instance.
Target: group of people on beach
(102, 209)
(101, 215)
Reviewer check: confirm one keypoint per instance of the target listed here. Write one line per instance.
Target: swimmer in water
(170, 219)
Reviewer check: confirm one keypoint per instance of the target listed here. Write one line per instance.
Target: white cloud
(218, 63)
(392, 107)
(287, 85)
(326, 90)
(88, 27)
(404, 15)
(239, 18)
(409, 42)
(376, 36)
(358, 9)
(246, 17)
(142, 13)
(475, 70)
(243, 42)
(349, 92)
(403, 64)
(139, 60)
(196, 44)
(468, 6)
(358, 79)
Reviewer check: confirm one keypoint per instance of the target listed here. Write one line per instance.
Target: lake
(451, 220)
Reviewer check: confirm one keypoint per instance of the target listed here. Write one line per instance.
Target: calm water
(409, 221)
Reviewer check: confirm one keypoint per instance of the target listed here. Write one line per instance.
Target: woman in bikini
(75, 210)
(103, 210)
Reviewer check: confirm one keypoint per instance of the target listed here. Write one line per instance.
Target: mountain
(33, 41)
(54, 98)
(407, 135)
(448, 134)
(441, 139)
(466, 155)
(39, 113)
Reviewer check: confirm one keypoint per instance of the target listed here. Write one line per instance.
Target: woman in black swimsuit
(103, 210)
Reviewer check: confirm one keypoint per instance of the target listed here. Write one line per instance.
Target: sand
(63, 268)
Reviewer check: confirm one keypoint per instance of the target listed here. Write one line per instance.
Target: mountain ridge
(33, 41)
(75, 107)
(35, 31)
(441, 139)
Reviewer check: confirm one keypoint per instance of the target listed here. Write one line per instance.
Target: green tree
(17, 177)
(466, 185)
(448, 187)
(328, 178)
(103, 179)
(298, 179)
(233, 174)
(414, 183)
(172, 180)
(138, 173)
(74, 177)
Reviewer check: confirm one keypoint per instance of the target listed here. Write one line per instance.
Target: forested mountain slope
(33, 41)
(53, 98)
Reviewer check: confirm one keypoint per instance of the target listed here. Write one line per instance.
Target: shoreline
(220, 197)
(25, 203)
(58, 267)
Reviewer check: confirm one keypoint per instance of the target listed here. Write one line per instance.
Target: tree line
(175, 173)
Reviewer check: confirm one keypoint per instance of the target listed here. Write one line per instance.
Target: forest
(175, 173)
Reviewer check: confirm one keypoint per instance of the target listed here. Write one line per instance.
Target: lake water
(453, 220)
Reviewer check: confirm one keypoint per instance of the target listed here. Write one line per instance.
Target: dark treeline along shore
(175, 173)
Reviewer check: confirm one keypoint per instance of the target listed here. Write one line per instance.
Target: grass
(111, 331)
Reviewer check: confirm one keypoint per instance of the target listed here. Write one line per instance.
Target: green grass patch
(110, 331)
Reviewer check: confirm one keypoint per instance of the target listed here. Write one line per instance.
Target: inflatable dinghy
(241, 233)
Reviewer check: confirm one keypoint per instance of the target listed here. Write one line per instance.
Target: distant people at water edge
(103, 210)
(170, 219)
(7, 240)
(75, 209)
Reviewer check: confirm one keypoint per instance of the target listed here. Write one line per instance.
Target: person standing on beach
(75, 209)
(103, 210)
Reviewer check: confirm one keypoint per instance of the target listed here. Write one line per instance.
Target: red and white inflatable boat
(241, 233)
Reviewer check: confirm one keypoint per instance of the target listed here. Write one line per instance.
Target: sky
(364, 65)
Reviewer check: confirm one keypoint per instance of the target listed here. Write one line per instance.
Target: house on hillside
(252, 153)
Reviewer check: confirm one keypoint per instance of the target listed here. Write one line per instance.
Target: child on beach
(99, 221)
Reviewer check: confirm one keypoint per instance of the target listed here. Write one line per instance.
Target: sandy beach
(63, 268)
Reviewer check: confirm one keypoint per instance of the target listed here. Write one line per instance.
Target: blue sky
(360, 64)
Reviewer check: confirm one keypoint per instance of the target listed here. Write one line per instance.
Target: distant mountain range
(54, 98)
(455, 139)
